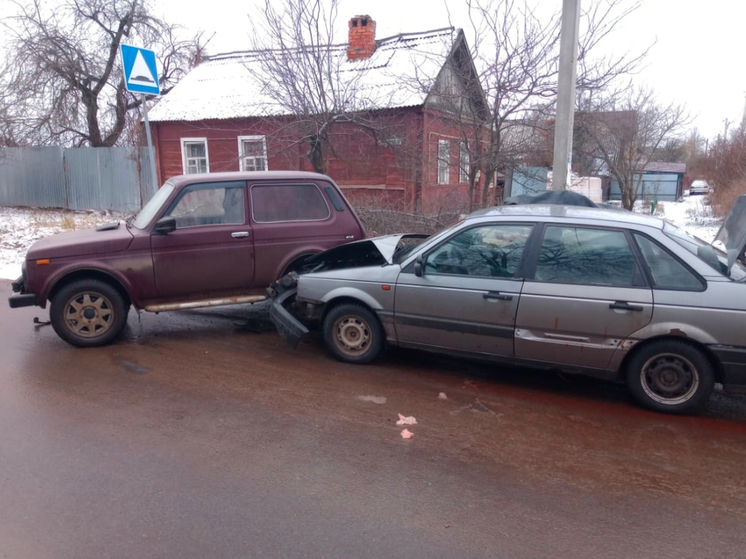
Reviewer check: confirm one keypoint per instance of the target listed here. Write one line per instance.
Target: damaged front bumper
(290, 329)
(23, 299)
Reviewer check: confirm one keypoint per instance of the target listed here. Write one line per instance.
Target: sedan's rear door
(583, 297)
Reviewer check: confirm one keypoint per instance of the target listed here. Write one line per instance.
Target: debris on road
(373, 399)
(407, 434)
(442, 396)
(409, 420)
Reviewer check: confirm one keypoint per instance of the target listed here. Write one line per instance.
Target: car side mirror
(419, 271)
(165, 225)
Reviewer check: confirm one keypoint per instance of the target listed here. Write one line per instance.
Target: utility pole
(565, 116)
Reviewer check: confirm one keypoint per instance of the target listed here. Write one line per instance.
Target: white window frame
(184, 142)
(241, 158)
(463, 163)
(444, 165)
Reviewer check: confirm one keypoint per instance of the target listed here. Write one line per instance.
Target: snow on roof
(400, 73)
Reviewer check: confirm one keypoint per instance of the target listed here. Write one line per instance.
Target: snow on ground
(692, 214)
(21, 227)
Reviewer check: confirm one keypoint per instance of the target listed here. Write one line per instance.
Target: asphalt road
(201, 435)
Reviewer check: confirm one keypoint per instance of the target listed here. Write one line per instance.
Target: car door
(466, 297)
(295, 218)
(584, 294)
(211, 249)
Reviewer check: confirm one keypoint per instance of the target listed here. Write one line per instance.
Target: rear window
(288, 202)
(666, 270)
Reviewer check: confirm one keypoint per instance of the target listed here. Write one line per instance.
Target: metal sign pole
(151, 151)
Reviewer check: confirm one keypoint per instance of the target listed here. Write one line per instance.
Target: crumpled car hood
(378, 251)
(732, 234)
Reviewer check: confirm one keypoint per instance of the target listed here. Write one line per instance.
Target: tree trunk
(489, 173)
(316, 155)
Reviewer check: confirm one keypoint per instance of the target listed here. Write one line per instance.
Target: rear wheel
(670, 377)
(88, 313)
(353, 334)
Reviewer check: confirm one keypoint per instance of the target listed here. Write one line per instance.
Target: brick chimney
(362, 38)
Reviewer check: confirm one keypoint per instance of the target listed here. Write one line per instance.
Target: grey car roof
(178, 180)
(575, 212)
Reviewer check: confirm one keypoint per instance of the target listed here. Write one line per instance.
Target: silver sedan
(605, 293)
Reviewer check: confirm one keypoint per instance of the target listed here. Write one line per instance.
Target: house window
(252, 152)
(194, 155)
(444, 163)
(463, 175)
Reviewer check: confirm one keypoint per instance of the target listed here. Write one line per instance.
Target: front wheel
(353, 334)
(88, 313)
(670, 377)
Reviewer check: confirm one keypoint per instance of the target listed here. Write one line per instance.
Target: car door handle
(239, 234)
(497, 295)
(625, 306)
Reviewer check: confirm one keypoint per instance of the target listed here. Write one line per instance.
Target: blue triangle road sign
(140, 72)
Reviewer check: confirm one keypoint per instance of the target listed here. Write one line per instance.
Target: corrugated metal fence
(116, 178)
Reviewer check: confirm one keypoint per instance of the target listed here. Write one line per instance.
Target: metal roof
(660, 167)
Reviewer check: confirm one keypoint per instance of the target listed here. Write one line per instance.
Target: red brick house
(418, 94)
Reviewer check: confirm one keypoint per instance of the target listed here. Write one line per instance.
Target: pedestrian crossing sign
(140, 72)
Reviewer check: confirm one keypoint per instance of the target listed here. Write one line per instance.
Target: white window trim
(463, 157)
(184, 141)
(241, 140)
(447, 162)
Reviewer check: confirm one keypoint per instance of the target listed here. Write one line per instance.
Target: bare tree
(302, 71)
(516, 53)
(625, 131)
(672, 150)
(62, 77)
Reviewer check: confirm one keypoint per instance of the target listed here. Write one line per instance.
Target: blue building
(661, 181)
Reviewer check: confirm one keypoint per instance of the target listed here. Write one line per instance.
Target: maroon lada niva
(202, 240)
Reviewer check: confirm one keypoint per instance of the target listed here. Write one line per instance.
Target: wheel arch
(343, 300)
(91, 273)
(706, 351)
(296, 258)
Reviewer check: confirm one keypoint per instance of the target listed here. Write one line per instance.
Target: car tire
(670, 376)
(88, 313)
(353, 334)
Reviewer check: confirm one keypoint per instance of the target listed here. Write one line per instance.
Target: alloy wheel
(89, 314)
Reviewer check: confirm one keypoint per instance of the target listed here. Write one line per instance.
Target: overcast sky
(699, 58)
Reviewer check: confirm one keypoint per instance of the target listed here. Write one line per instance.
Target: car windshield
(709, 254)
(406, 246)
(409, 245)
(151, 208)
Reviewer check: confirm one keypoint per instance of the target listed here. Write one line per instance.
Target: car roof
(576, 212)
(179, 180)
